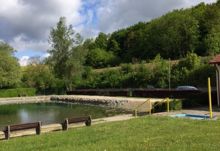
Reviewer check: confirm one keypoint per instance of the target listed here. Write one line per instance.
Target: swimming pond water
(50, 112)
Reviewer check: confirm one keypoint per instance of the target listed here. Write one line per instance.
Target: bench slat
(23, 126)
(78, 119)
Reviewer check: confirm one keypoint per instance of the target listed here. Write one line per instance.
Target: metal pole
(210, 97)
(168, 105)
(169, 75)
(135, 112)
(217, 86)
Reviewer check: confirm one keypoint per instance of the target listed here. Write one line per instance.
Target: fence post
(130, 93)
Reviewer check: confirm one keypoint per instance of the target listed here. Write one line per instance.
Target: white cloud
(46, 55)
(26, 60)
(23, 61)
(22, 43)
(26, 23)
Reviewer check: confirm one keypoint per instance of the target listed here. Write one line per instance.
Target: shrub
(101, 58)
(17, 92)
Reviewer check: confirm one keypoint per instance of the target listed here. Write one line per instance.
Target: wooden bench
(86, 119)
(10, 128)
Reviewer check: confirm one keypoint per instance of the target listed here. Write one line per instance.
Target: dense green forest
(141, 52)
(172, 36)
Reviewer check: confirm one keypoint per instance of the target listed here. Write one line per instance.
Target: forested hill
(172, 36)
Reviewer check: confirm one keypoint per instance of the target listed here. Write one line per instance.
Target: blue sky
(26, 24)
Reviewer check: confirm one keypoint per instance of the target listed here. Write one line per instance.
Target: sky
(26, 24)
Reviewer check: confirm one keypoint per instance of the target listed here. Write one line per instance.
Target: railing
(166, 100)
(149, 110)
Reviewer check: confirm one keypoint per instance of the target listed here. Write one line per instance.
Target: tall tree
(101, 41)
(9, 67)
(64, 53)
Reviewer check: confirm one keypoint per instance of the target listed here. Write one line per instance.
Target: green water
(50, 112)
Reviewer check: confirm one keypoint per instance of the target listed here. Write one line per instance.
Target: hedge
(17, 92)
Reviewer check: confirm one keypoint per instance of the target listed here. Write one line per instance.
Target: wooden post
(65, 124)
(7, 132)
(38, 129)
(89, 121)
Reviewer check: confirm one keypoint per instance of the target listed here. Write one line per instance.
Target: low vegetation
(17, 92)
(192, 70)
(146, 133)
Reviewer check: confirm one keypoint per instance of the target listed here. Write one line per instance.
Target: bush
(99, 58)
(17, 92)
(189, 71)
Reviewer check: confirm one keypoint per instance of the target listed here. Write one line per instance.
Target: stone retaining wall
(118, 102)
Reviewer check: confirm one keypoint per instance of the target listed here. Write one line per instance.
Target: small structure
(216, 62)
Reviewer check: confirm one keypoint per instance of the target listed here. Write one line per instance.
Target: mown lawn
(146, 133)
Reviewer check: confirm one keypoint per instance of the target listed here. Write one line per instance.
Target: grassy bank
(148, 133)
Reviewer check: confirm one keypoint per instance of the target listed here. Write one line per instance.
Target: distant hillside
(172, 35)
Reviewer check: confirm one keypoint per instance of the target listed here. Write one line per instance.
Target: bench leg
(89, 121)
(7, 132)
(38, 129)
(65, 125)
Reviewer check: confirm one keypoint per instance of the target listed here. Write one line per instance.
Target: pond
(50, 112)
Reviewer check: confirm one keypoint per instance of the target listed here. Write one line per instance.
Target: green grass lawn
(146, 133)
